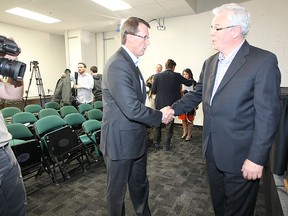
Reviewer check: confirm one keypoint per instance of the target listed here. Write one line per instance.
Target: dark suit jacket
(244, 114)
(167, 87)
(125, 115)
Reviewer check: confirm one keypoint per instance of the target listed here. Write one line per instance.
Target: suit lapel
(211, 79)
(238, 61)
(141, 80)
(138, 75)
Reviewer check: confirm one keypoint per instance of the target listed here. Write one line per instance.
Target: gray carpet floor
(178, 185)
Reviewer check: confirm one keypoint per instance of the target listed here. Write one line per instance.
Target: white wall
(47, 49)
(186, 40)
(80, 47)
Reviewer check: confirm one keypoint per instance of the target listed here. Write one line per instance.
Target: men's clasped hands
(168, 114)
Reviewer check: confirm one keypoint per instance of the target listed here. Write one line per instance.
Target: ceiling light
(113, 5)
(32, 15)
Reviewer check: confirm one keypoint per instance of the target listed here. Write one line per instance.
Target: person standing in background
(62, 91)
(239, 88)
(149, 82)
(167, 87)
(187, 118)
(83, 83)
(125, 117)
(13, 200)
(97, 89)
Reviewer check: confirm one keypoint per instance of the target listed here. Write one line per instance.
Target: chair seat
(15, 142)
(85, 139)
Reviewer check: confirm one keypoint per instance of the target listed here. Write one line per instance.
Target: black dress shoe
(167, 148)
(156, 146)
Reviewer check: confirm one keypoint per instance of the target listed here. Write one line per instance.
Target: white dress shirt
(86, 81)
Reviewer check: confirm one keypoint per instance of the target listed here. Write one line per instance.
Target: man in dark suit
(167, 87)
(239, 88)
(125, 117)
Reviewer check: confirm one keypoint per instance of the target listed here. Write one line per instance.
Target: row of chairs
(8, 112)
(55, 139)
(55, 143)
(17, 116)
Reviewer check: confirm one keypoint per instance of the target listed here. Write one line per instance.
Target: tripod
(40, 88)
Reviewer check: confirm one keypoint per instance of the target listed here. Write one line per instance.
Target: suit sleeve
(123, 88)
(190, 100)
(184, 81)
(267, 109)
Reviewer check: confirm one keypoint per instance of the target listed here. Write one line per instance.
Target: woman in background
(187, 118)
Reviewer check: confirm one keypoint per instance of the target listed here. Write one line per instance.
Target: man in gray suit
(239, 88)
(125, 118)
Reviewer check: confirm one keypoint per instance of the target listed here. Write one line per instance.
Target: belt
(4, 147)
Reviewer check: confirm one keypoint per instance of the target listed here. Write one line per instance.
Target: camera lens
(13, 69)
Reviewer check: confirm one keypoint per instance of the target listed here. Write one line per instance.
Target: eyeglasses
(146, 37)
(213, 28)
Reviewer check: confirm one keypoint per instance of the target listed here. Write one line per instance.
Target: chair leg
(47, 169)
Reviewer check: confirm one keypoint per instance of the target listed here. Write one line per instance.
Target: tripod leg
(40, 87)
(35, 71)
(27, 92)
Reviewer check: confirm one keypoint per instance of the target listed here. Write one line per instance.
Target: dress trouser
(131, 172)
(13, 199)
(232, 195)
(169, 134)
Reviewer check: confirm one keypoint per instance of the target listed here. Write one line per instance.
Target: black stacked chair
(28, 152)
(60, 143)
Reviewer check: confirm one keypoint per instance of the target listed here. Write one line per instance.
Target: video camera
(11, 68)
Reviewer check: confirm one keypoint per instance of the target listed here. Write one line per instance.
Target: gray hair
(239, 16)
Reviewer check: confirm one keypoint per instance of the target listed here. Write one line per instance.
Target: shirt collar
(231, 56)
(133, 57)
(83, 74)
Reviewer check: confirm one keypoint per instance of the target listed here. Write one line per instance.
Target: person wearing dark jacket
(97, 89)
(239, 88)
(167, 87)
(125, 117)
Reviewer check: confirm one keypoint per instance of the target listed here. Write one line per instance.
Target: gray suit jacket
(245, 111)
(125, 115)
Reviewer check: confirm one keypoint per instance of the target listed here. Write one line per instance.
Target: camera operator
(12, 191)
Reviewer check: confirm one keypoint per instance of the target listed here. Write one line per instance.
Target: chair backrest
(82, 108)
(47, 124)
(75, 120)
(10, 111)
(98, 105)
(91, 126)
(92, 129)
(24, 118)
(47, 112)
(95, 114)
(61, 140)
(53, 105)
(19, 131)
(33, 108)
(67, 109)
(29, 156)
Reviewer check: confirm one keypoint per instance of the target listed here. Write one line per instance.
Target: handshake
(168, 114)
